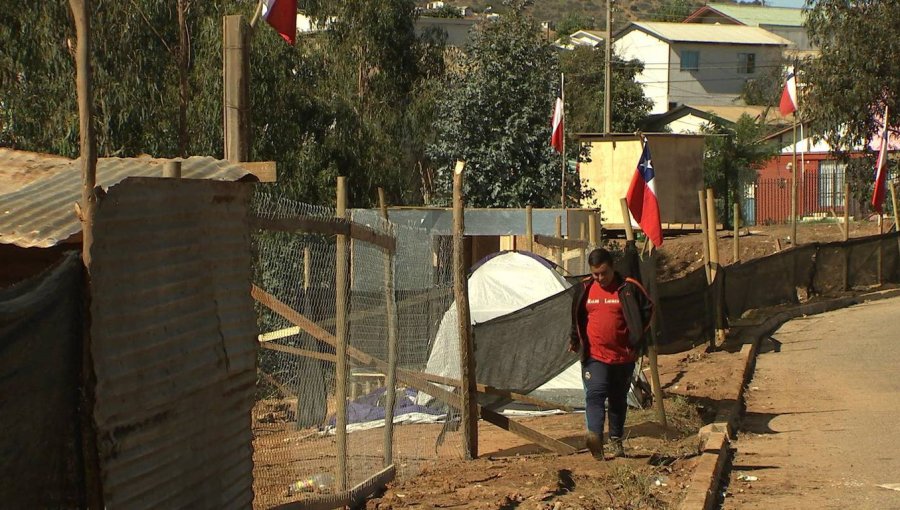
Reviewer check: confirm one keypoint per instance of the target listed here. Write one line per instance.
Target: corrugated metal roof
(41, 213)
(19, 168)
(733, 113)
(174, 344)
(706, 33)
(756, 15)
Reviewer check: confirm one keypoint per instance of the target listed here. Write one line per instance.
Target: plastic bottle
(320, 482)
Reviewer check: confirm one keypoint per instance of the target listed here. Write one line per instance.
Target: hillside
(624, 10)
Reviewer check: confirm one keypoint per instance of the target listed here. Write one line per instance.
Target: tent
(520, 307)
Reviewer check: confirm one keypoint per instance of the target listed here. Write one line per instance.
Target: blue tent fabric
(370, 407)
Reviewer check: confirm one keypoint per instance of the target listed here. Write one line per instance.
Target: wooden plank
(324, 356)
(517, 428)
(556, 242)
(265, 171)
(393, 344)
(274, 382)
(327, 226)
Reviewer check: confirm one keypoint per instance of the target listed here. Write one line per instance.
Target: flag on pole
(282, 15)
(642, 200)
(881, 168)
(789, 95)
(556, 140)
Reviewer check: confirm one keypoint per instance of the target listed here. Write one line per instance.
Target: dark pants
(601, 382)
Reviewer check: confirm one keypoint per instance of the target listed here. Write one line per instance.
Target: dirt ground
(511, 472)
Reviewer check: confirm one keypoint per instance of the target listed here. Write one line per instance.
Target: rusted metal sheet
(40, 212)
(173, 343)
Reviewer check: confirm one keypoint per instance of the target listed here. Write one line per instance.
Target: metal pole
(466, 343)
(737, 234)
(341, 279)
(393, 326)
(529, 229)
(562, 93)
(607, 79)
(794, 210)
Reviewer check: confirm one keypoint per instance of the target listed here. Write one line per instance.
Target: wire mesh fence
(296, 442)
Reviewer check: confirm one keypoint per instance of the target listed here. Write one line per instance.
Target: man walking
(610, 315)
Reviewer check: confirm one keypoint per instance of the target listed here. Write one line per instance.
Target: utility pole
(607, 83)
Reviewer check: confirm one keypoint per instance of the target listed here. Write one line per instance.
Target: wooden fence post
(236, 68)
(393, 347)
(529, 229)
(583, 258)
(652, 351)
(466, 343)
(592, 229)
(704, 227)
(172, 170)
(559, 252)
(893, 186)
(719, 337)
(846, 249)
(341, 374)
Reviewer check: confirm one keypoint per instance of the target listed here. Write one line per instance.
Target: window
(831, 183)
(690, 60)
(746, 63)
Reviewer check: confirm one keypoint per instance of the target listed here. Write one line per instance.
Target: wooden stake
(559, 252)
(466, 343)
(172, 170)
(592, 229)
(714, 264)
(529, 229)
(794, 193)
(341, 372)
(737, 234)
(236, 93)
(893, 187)
(626, 220)
(93, 482)
(704, 227)
(880, 254)
(581, 235)
(393, 347)
(652, 348)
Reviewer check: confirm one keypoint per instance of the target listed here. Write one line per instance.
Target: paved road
(822, 428)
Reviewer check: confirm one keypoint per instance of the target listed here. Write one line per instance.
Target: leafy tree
(585, 82)
(856, 75)
(673, 11)
(496, 116)
(766, 89)
(734, 155)
(444, 11)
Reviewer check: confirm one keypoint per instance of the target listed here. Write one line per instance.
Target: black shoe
(615, 444)
(595, 445)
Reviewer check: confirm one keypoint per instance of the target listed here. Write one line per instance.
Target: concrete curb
(702, 492)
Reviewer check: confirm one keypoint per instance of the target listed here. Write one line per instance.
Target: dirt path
(821, 425)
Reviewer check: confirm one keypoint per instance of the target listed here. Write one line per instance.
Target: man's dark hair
(600, 256)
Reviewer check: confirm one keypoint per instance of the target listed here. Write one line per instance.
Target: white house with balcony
(698, 63)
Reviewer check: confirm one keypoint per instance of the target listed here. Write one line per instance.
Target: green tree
(733, 157)
(674, 10)
(585, 82)
(855, 76)
(496, 116)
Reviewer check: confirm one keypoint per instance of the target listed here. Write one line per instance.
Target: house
(39, 224)
(457, 30)
(592, 38)
(786, 22)
(690, 119)
(693, 63)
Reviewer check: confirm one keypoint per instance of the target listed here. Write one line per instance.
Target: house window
(746, 63)
(831, 183)
(690, 60)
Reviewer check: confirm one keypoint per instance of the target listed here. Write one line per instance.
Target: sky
(785, 3)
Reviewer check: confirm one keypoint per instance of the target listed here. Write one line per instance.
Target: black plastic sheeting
(40, 362)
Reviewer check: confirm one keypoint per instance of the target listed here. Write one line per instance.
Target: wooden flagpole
(562, 121)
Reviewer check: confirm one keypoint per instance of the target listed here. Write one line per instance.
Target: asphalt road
(822, 428)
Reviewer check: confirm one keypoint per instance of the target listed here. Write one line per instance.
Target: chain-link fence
(295, 442)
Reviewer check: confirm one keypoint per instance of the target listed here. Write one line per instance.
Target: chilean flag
(789, 95)
(556, 140)
(642, 200)
(282, 15)
(881, 168)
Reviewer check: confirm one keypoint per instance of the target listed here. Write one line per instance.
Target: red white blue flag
(788, 102)
(881, 168)
(642, 201)
(282, 15)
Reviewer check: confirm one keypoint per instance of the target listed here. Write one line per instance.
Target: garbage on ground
(660, 481)
(321, 482)
(891, 486)
(747, 478)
